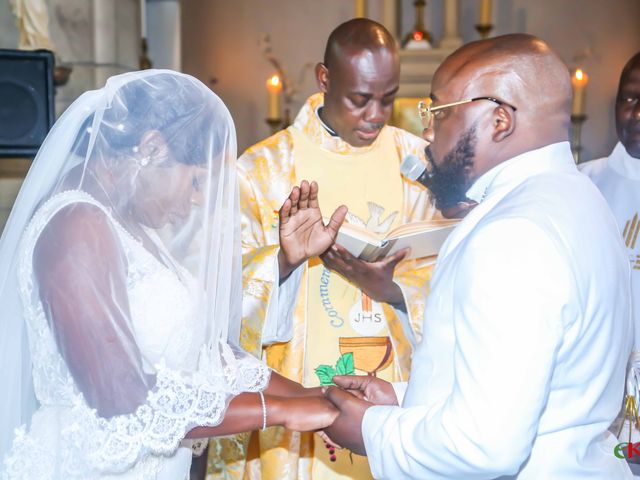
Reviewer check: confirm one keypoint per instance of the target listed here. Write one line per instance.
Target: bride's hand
(305, 414)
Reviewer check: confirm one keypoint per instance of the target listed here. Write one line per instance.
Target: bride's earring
(142, 162)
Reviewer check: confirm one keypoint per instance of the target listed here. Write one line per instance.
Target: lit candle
(579, 82)
(274, 87)
(143, 19)
(485, 12)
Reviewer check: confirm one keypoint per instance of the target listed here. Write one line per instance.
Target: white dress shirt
(527, 332)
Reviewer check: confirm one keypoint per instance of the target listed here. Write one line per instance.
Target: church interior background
(236, 46)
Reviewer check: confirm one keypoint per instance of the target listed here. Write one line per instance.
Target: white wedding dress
(66, 438)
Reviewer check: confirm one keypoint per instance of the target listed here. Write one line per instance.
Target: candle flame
(275, 80)
(579, 74)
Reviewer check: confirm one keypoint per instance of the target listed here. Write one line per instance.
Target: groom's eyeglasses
(427, 112)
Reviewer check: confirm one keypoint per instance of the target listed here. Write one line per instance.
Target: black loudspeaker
(26, 101)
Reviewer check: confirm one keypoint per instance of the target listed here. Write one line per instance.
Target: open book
(424, 237)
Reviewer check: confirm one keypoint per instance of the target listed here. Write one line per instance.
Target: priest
(340, 141)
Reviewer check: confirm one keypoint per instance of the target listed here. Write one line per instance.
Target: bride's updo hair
(142, 105)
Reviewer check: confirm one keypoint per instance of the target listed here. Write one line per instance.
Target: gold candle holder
(419, 32)
(145, 61)
(286, 120)
(361, 8)
(484, 30)
(576, 132)
(275, 124)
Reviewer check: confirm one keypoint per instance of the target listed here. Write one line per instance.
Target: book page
(361, 233)
(355, 246)
(424, 238)
(356, 239)
(423, 244)
(422, 226)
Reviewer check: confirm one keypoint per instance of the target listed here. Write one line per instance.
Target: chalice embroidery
(370, 354)
(366, 354)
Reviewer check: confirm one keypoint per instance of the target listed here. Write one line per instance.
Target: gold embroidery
(630, 415)
(630, 233)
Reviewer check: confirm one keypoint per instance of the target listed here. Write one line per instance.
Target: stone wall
(96, 38)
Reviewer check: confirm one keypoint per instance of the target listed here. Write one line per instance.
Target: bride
(120, 284)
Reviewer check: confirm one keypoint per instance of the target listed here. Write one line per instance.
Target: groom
(527, 331)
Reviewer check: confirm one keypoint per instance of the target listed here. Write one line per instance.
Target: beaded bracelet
(264, 411)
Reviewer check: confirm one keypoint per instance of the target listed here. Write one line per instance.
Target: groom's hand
(302, 232)
(346, 430)
(369, 388)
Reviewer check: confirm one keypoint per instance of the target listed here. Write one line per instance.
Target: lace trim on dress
(88, 443)
(172, 408)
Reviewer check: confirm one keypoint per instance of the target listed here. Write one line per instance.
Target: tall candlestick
(274, 87)
(361, 8)
(579, 82)
(143, 19)
(485, 12)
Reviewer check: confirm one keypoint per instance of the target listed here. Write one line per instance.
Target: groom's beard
(448, 184)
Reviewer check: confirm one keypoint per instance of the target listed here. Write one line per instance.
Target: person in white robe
(527, 330)
(618, 178)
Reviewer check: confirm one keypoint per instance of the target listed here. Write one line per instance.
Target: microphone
(415, 170)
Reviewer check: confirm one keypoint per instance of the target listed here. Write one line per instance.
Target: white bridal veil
(120, 281)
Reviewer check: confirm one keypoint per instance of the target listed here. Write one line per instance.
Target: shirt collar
(623, 163)
(331, 131)
(480, 187)
(556, 156)
(308, 122)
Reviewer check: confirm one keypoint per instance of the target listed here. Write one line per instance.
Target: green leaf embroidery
(345, 364)
(326, 373)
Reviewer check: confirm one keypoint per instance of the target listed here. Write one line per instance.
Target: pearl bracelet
(264, 411)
